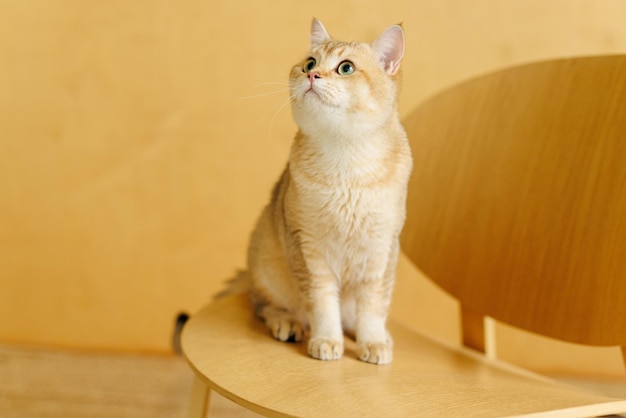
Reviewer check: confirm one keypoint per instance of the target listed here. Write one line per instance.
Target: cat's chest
(350, 229)
(343, 212)
(351, 193)
(345, 207)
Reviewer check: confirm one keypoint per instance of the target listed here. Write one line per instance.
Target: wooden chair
(517, 207)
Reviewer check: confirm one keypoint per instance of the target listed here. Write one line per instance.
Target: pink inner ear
(389, 47)
(319, 35)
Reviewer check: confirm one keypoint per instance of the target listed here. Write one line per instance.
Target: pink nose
(313, 75)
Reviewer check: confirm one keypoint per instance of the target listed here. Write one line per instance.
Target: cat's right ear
(389, 48)
(319, 35)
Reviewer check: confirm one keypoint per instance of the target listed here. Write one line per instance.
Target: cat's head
(346, 84)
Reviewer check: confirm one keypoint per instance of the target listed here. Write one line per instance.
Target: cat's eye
(309, 65)
(345, 68)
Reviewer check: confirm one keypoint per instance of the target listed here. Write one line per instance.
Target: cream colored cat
(324, 252)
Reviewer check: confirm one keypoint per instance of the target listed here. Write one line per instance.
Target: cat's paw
(286, 329)
(325, 349)
(376, 352)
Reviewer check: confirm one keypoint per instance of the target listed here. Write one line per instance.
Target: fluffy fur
(323, 254)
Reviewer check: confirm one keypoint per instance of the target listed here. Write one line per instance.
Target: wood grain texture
(517, 204)
(233, 352)
(52, 383)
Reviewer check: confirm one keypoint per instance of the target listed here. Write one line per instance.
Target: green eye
(345, 68)
(309, 65)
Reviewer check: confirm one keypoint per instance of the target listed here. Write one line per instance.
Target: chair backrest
(517, 203)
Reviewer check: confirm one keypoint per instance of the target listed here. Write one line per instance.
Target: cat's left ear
(389, 48)
(319, 34)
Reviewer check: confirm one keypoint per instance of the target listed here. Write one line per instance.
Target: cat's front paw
(285, 328)
(377, 353)
(325, 349)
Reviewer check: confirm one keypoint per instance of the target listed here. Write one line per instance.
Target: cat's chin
(312, 95)
(317, 117)
(317, 101)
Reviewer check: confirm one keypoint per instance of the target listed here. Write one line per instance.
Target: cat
(324, 251)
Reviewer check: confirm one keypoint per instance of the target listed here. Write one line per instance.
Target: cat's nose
(313, 75)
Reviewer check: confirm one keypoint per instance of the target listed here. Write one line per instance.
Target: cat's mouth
(312, 94)
(317, 94)
(312, 90)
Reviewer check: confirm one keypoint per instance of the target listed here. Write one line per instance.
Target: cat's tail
(239, 284)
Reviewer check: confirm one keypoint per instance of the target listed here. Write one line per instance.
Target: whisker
(288, 101)
(269, 83)
(272, 108)
(277, 88)
(264, 94)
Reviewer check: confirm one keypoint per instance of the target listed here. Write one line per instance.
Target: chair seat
(232, 352)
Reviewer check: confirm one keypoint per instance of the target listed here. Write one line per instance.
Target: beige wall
(133, 159)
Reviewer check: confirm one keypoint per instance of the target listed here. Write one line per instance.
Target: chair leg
(624, 354)
(200, 393)
(473, 330)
